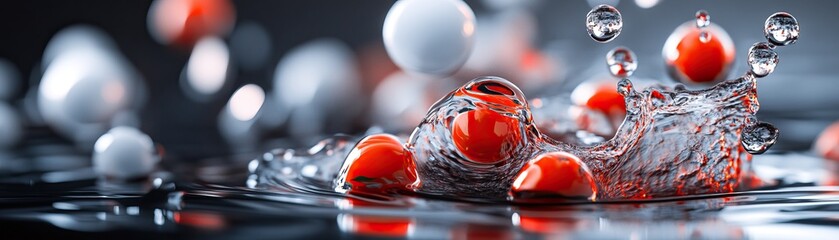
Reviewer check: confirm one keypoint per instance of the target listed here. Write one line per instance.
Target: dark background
(799, 97)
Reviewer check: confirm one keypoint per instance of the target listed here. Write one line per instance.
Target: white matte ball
(124, 153)
(429, 36)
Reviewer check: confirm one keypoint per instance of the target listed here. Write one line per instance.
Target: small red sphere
(554, 174)
(827, 145)
(378, 164)
(378, 226)
(602, 96)
(184, 22)
(694, 59)
(485, 136)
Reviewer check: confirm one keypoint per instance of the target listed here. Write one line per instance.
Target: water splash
(673, 142)
(313, 169)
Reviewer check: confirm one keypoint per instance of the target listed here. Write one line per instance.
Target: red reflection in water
(480, 231)
(373, 225)
(200, 220)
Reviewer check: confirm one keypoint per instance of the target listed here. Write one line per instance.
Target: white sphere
(11, 126)
(400, 102)
(73, 38)
(123, 153)
(429, 36)
(318, 76)
(237, 122)
(206, 73)
(85, 85)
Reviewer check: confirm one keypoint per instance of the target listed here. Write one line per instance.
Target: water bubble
(704, 36)
(781, 29)
(762, 59)
(758, 138)
(604, 23)
(703, 19)
(622, 62)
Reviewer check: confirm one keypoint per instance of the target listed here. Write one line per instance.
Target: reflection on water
(38, 197)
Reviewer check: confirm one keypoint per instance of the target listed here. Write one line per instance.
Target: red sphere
(827, 145)
(554, 174)
(184, 22)
(602, 96)
(378, 164)
(696, 60)
(485, 136)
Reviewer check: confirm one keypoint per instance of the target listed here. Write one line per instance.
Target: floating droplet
(762, 59)
(622, 62)
(604, 23)
(704, 36)
(703, 19)
(781, 29)
(758, 138)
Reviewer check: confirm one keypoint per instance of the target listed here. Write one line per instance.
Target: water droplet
(762, 59)
(758, 138)
(604, 23)
(704, 36)
(781, 29)
(622, 62)
(696, 60)
(703, 19)
(624, 87)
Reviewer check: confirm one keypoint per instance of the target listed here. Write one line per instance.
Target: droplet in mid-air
(703, 19)
(604, 23)
(781, 29)
(762, 59)
(622, 62)
(758, 138)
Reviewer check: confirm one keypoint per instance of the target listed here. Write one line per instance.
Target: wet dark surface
(48, 190)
